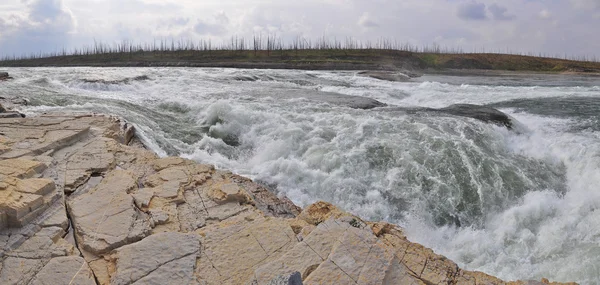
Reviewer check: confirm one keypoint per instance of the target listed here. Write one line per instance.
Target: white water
(528, 204)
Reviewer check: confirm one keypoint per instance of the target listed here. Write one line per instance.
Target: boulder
(482, 113)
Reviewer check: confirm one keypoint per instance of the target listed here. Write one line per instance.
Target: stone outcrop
(80, 206)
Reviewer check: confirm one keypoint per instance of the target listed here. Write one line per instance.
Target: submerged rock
(140, 219)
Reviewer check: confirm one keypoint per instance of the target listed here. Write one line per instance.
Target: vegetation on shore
(300, 54)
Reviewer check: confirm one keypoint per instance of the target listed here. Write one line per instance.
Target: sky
(552, 27)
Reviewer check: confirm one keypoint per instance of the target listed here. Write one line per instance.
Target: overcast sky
(548, 26)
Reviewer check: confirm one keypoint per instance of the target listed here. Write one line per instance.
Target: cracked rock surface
(80, 206)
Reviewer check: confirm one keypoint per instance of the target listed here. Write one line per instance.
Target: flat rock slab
(65, 270)
(106, 217)
(165, 258)
(93, 158)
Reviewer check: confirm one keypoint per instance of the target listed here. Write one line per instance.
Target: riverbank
(83, 201)
(325, 59)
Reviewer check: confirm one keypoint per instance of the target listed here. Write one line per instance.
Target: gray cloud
(141, 7)
(204, 28)
(45, 28)
(174, 22)
(472, 11)
(500, 13)
(365, 21)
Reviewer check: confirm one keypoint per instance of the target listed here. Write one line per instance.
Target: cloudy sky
(547, 26)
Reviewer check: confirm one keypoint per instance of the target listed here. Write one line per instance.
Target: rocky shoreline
(83, 202)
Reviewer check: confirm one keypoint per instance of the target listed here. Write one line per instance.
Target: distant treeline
(267, 44)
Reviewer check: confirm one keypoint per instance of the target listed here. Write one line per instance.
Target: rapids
(516, 204)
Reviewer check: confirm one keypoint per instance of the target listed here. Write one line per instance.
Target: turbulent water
(516, 204)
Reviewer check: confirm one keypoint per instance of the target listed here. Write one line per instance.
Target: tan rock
(21, 168)
(227, 192)
(106, 217)
(167, 162)
(94, 157)
(165, 258)
(319, 212)
(22, 200)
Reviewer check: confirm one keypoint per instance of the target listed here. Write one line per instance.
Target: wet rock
(117, 81)
(386, 75)
(8, 115)
(478, 112)
(4, 76)
(482, 113)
